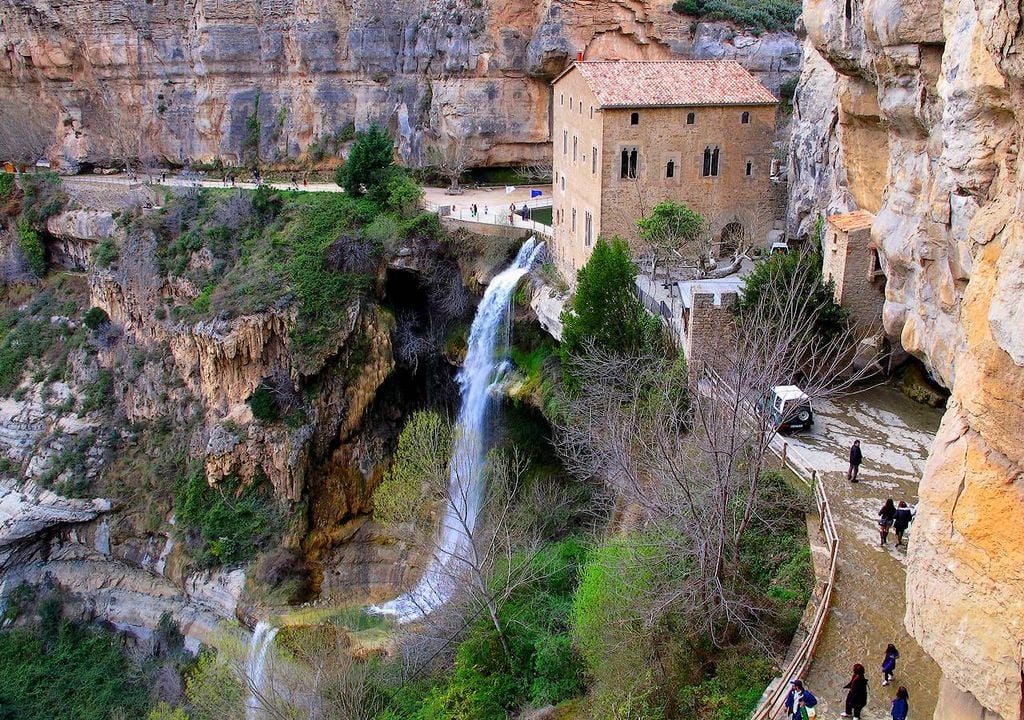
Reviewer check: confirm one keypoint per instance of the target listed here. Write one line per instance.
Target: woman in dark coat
(901, 521)
(857, 697)
(886, 517)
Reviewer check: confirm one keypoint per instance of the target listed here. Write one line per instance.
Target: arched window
(634, 118)
(711, 157)
(670, 169)
(627, 167)
(745, 118)
(691, 118)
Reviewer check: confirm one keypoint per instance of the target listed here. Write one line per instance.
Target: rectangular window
(588, 227)
(750, 168)
(574, 219)
(670, 169)
(575, 147)
(593, 161)
(563, 183)
(565, 142)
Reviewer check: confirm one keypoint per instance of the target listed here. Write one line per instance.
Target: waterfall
(488, 341)
(256, 666)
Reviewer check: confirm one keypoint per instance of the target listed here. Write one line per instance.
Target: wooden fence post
(785, 447)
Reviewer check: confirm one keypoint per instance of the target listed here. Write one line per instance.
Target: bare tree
(692, 464)
(450, 157)
(26, 128)
(538, 172)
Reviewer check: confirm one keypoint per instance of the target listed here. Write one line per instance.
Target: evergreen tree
(372, 153)
(605, 311)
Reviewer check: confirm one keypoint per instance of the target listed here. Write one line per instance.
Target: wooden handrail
(774, 697)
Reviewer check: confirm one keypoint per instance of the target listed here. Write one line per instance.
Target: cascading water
(256, 666)
(484, 358)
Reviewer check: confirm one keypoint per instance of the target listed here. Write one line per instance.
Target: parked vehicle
(788, 407)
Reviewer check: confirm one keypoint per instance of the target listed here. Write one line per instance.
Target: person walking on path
(855, 458)
(886, 518)
(901, 521)
(799, 697)
(889, 663)
(901, 704)
(857, 697)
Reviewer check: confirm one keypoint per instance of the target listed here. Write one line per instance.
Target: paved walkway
(869, 600)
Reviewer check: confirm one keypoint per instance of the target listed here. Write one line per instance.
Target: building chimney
(579, 57)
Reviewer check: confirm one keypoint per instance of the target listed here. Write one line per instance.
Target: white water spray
(484, 359)
(256, 666)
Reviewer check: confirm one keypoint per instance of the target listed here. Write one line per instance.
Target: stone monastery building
(628, 135)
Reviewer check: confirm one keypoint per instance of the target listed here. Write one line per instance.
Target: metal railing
(774, 697)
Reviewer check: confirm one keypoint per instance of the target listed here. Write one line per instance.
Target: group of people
(892, 516)
(801, 704)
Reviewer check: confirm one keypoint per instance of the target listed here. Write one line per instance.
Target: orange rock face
(925, 109)
(189, 75)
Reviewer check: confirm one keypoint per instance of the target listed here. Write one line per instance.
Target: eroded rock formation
(190, 74)
(922, 127)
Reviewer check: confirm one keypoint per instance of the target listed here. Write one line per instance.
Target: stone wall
(179, 80)
(921, 122)
(709, 327)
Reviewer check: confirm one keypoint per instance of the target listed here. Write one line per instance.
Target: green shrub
(263, 404)
(27, 339)
(420, 462)
(6, 186)
(32, 247)
(95, 317)
(105, 254)
(226, 524)
(99, 395)
(67, 672)
(42, 197)
(758, 15)
(201, 304)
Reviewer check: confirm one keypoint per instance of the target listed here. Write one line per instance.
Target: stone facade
(851, 260)
(596, 195)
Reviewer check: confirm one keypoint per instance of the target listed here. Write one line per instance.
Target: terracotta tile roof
(619, 83)
(856, 220)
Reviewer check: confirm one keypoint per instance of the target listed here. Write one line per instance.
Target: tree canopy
(605, 311)
(794, 275)
(371, 153)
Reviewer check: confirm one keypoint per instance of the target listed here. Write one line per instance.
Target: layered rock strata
(190, 75)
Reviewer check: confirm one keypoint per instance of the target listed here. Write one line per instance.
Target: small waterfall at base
(476, 380)
(256, 666)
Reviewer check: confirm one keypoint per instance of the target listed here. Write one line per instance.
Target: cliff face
(923, 126)
(190, 74)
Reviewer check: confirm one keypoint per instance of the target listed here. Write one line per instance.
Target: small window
(570, 102)
(581, 108)
(563, 183)
(565, 142)
(561, 99)
(691, 118)
(670, 169)
(593, 161)
(575, 147)
(634, 118)
(591, 112)
(574, 219)
(745, 118)
(750, 168)
(588, 227)
(627, 164)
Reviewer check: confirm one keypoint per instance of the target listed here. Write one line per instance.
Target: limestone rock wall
(923, 128)
(189, 74)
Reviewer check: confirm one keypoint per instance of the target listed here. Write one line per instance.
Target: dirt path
(869, 601)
